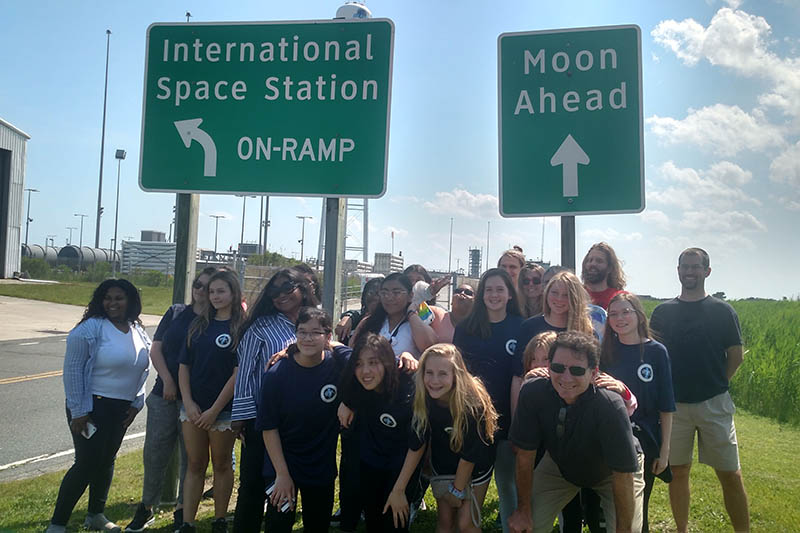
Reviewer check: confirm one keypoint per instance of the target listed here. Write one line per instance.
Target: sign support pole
(335, 211)
(568, 242)
(188, 208)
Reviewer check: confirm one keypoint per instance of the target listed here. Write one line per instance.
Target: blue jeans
(506, 480)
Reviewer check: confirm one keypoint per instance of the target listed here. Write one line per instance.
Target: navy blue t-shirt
(648, 375)
(529, 329)
(444, 460)
(492, 360)
(383, 423)
(212, 363)
(172, 331)
(301, 403)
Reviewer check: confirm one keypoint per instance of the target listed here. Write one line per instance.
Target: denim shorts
(223, 422)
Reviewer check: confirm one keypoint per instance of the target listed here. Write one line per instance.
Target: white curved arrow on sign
(570, 155)
(189, 130)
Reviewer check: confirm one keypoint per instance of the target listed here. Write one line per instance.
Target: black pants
(249, 514)
(585, 506)
(317, 507)
(376, 484)
(94, 459)
(350, 502)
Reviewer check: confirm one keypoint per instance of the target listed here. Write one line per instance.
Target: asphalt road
(35, 437)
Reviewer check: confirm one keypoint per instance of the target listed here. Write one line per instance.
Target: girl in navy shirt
(297, 417)
(454, 415)
(207, 375)
(630, 355)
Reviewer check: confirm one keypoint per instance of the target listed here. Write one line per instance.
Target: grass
(768, 451)
(155, 300)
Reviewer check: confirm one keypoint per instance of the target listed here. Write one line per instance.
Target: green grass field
(768, 455)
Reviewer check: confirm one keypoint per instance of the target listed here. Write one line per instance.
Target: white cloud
(733, 3)
(610, 235)
(727, 172)
(717, 188)
(398, 232)
(654, 216)
(786, 167)
(721, 129)
(460, 202)
(791, 205)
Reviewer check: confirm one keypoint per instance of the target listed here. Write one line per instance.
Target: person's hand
(192, 411)
(452, 501)
(283, 492)
(399, 505)
(237, 426)
(206, 419)
(344, 327)
(132, 412)
(170, 390)
(660, 464)
(407, 363)
(605, 381)
(78, 425)
(277, 357)
(520, 521)
(539, 372)
(345, 415)
(438, 284)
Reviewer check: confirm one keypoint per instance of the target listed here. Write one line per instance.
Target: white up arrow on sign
(570, 155)
(188, 130)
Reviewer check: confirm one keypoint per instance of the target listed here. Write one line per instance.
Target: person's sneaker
(336, 518)
(209, 494)
(52, 528)
(99, 522)
(187, 528)
(144, 517)
(220, 525)
(177, 520)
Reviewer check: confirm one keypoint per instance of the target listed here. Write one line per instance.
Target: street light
(303, 234)
(120, 155)
(216, 230)
(102, 148)
(80, 241)
(70, 228)
(28, 219)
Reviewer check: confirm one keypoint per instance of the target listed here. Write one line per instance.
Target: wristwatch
(460, 494)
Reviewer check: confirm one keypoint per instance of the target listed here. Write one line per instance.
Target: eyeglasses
(625, 313)
(396, 293)
(309, 335)
(465, 292)
(198, 285)
(562, 418)
(576, 371)
(286, 288)
(528, 281)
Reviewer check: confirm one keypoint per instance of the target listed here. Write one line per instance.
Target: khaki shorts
(712, 420)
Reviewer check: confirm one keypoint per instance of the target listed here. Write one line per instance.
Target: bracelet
(460, 494)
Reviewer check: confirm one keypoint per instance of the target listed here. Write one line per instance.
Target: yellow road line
(20, 379)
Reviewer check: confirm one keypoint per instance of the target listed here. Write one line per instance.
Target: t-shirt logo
(645, 372)
(511, 345)
(388, 420)
(223, 341)
(328, 393)
(448, 430)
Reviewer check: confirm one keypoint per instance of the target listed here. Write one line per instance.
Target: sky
(721, 93)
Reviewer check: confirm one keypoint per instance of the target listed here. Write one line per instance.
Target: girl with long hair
(530, 290)
(297, 418)
(630, 354)
(486, 340)
(454, 415)
(207, 375)
(105, 370)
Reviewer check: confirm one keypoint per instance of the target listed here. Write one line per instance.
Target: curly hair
(616, 276)
(96, 309)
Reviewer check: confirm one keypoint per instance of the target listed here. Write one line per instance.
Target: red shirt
(602, 298)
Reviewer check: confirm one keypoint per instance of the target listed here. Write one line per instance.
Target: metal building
(12, 182)
(148, 255)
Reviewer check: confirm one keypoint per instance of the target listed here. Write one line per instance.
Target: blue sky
(721, 113)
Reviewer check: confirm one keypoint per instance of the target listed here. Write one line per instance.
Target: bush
(36, 268)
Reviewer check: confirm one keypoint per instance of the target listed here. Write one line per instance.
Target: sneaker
(177, 520)
(220, 525)
(187, 528)
(99, 522)
(336, 518)
(144, 517)
(52, 528)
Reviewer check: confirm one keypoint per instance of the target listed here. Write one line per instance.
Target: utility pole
(216, 231)
(70, 228)
(303, 234)
(120, 155)
(102, 148)
(28, 218)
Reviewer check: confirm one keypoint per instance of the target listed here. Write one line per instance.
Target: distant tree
(272, 259)
(720, 295)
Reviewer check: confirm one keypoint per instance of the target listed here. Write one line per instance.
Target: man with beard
(602, 274)
(704, 341)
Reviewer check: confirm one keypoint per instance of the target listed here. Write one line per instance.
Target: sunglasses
(198, 285)
(577, 371)
(562, 418)
(528, 281)
(466, 292)
(286, 288)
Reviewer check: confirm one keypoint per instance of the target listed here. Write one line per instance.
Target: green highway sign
(285, 108)
(570, 122)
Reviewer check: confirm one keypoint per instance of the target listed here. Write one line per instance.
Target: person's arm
(209, 416)
(160, 364)
(359, 328)
(397, 501)
(184, 380)
(462, 479)
(522, 519)
(735, 358)
(607, 381)
(666, 434)
(423, 335)
(244, 402)
(622, 487)
(516, 384)
(76, 386)
(284, 485)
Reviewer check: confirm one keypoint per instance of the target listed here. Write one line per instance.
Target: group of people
(555, 386)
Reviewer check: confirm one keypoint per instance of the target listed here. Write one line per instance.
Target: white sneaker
(99, 522)
(52, 528)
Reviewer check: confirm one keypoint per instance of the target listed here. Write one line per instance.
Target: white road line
(28, 343)
(48, 456)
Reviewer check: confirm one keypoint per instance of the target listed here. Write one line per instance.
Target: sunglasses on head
(285, 288)
(466, 292)
(198, 285)
(528, 281)
(577, 371)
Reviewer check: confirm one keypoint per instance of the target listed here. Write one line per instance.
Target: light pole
(244, 206)
(70, 228)
(80, 242)
(102, 148)
(28, 218)
(450, 253)
(216, 230)
(120, 155)
(303, 234)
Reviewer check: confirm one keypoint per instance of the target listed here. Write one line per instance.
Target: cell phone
(285, 506)
(90, 430)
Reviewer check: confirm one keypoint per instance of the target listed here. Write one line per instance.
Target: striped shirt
(267, 336)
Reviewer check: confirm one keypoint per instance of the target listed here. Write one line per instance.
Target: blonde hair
(529, 307)
(468, 398)
(544, 340)
(578, 313)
